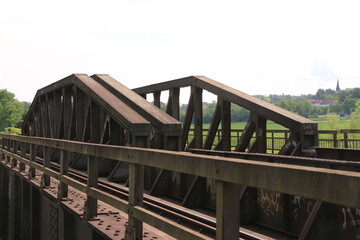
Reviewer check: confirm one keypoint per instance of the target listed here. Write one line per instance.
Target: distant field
(330, 122)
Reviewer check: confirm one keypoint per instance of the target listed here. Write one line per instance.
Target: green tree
(305, 108)
(349, 105)
(287, 105)
(11, 110)
(320, 93)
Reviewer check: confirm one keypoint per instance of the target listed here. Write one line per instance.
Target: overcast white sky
(258, 47)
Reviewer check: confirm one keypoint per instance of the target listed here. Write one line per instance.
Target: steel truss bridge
(96, 160)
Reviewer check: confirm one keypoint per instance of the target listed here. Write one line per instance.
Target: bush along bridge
(96, 160)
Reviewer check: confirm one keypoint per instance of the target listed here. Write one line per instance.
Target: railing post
(90, 210)
(64, 170)
(32, 159)
(3, 148)
(335, 139)
(227, 210)
(346, 143)
(8, 148)
(134, 229)
(47, 164)
(272, 142)
(14, 151)
(23, 155)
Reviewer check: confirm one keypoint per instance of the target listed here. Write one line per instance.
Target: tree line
(12, 112)
(348, 103)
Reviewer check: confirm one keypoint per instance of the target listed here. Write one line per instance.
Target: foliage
(11, 110)
(12, 130)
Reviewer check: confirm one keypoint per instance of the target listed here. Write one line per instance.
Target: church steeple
(337, 86)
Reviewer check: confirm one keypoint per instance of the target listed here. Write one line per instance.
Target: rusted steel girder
(169, 128)
(304, 131)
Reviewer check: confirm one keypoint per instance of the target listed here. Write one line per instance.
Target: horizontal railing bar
(161, 223)
(296, 180)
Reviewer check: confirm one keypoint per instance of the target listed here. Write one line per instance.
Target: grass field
(328, 122)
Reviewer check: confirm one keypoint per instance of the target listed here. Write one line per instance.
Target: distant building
(337, 86)
(322, 103)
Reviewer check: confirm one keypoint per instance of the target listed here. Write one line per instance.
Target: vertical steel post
(3, 148)
(23, 155)
(90, 210)
(32, 159)
(47, 164)
(157, 98)
(227, 210)
(14, 151)
(134, 229)
(198, 116)
(64, 170)
(226, 124)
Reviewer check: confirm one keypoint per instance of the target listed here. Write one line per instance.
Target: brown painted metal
(284, 178)
(98, 109)
(304, 129)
